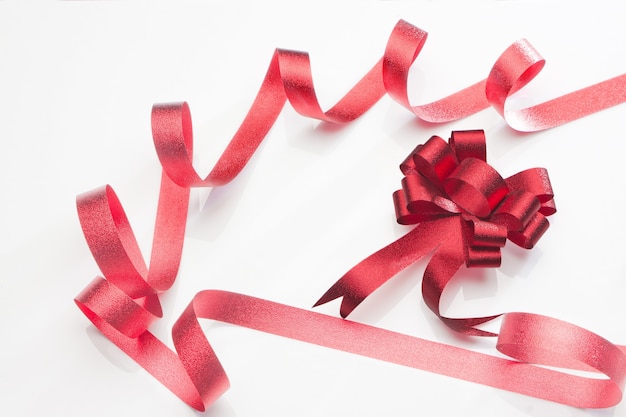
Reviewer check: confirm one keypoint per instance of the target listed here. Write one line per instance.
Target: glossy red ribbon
(125, 303)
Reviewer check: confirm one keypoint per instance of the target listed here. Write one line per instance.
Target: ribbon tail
(368, 275)
(445, 263)
(342, 288)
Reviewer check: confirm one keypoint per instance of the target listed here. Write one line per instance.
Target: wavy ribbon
(464, 210)
(125, 303)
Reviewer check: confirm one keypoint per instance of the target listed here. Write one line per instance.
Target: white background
(77, 81)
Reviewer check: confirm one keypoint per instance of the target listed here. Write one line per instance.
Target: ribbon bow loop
(484, 240)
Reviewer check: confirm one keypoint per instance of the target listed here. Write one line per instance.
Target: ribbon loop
(131, 317)
(484, 240)
(484, 233)
(404, 45)
(469, 144)
(537, 339)
(483, 257)
(112, 241)
(516, 210)
(435, 160)
(407, 167)
(530, 235)
(424, 200)
(535, 181)
(515, 68)
(476, 186)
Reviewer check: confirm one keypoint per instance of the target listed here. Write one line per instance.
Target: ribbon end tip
(330, 295)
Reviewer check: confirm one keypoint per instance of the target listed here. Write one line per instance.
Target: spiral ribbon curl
(124, 303)
(465, 211)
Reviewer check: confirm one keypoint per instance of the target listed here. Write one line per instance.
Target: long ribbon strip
(124, 304)
(546, 341)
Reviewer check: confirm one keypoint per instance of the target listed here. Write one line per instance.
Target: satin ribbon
(124, 303)
(464, 210)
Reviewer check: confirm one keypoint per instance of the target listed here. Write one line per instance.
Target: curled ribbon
(465, 212)
(125, 302)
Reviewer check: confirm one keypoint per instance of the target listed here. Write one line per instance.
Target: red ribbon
(465, 211)
(125, 303)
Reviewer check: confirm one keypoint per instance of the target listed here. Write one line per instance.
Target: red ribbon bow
(464, 209)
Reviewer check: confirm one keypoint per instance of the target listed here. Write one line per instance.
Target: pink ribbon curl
(465, 212)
